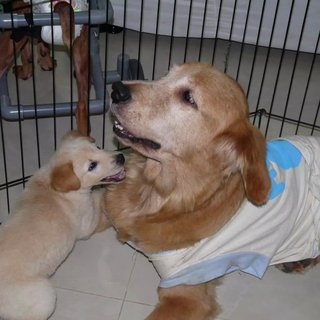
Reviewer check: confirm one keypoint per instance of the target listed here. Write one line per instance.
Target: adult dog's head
(192, 123)
(80, 164)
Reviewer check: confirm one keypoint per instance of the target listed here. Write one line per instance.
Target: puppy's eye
(92, 165)
(188, 98)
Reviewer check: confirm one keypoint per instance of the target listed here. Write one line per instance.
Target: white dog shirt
(285, 229)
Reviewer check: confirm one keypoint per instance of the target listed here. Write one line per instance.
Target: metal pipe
(99, 105)
(11, 112)
(95, 66)
(9, 21)
(112, 76)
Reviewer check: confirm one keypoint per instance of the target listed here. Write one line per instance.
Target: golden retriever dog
(201, 182)
(55, 209)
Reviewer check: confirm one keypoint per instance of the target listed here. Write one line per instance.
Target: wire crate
(271, 47)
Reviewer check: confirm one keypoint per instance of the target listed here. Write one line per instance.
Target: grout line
(88, 293)
(134, 256)
(141, 303)
(148, 305)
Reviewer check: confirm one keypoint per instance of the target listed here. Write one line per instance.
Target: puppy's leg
(24, 71)
(93, 220)
(103, 223)
(45, 61)
(81, 62)
(98, 201)
(186, 303)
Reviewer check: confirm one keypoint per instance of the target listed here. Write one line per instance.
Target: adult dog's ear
(252, 161)
(63, 178)
(247, 147)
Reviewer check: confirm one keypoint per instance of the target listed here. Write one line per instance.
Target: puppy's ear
(63, 178)
(247, 147)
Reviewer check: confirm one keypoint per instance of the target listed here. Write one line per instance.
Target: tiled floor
(105, 280)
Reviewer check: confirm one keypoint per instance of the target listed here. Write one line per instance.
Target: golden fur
(210, 158)
(55, 209)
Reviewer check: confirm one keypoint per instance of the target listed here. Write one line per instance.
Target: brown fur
(9, 48)
(80, 52)
(81, 61)
(63, 178)
(211, 159)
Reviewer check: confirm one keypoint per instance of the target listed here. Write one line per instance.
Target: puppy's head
(195, 114)
(80, 164)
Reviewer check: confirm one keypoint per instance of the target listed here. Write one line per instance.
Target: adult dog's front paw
(123, 235)
(134, 234)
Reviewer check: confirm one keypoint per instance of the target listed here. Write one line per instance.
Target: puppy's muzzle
(120, 92)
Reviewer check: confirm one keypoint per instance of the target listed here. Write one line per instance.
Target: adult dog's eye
(188, 98)
(92, 165)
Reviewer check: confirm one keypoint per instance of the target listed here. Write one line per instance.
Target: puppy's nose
(120, 159)
(120, 92)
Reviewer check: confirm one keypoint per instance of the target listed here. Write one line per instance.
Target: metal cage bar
(266, 46)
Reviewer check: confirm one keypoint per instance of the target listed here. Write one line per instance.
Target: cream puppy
(56, 208)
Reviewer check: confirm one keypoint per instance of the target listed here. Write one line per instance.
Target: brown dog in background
(80, 56)
(9, 47)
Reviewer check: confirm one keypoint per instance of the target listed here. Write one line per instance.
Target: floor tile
(230, 291)
(134, 311)
(73, 305)
(143, 283)
(277, 295)
(100, 265)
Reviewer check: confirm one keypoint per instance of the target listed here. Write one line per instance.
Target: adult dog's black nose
(120, 92)
(120, 159)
